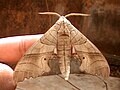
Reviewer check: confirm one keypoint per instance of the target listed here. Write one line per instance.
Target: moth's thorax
(63, 19)
(64, 46)
(63, 30)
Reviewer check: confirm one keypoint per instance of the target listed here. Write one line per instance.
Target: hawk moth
(60, 43)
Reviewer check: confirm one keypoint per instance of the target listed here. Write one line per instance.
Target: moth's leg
(55, 51)
(75, 55)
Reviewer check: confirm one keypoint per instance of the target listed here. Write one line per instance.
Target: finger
(13, 48)
(6, 78)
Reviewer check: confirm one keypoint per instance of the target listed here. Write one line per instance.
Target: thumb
(6, 78)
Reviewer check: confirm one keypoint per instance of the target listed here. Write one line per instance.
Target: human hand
(11, 50)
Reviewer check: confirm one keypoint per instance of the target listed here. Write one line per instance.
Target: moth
(59, 45)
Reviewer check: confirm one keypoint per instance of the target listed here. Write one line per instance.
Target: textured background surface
(76, 82)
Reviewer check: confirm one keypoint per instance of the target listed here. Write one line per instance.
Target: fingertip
(6, 77)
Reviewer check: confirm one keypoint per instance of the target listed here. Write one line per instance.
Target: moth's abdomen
(64, 53)
(64, 63)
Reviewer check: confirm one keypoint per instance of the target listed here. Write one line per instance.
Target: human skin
(11, 50)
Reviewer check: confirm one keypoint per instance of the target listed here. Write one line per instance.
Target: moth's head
(63, 22)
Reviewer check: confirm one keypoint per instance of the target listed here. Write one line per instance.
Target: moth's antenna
(50, 13)
(76, 14)
(68, 15)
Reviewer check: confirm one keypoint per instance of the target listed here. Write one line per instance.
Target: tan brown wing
(34, 64)
(35, 61)
(31, 66)
(93, 61)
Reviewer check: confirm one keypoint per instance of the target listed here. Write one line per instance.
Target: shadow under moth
(55, 51)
